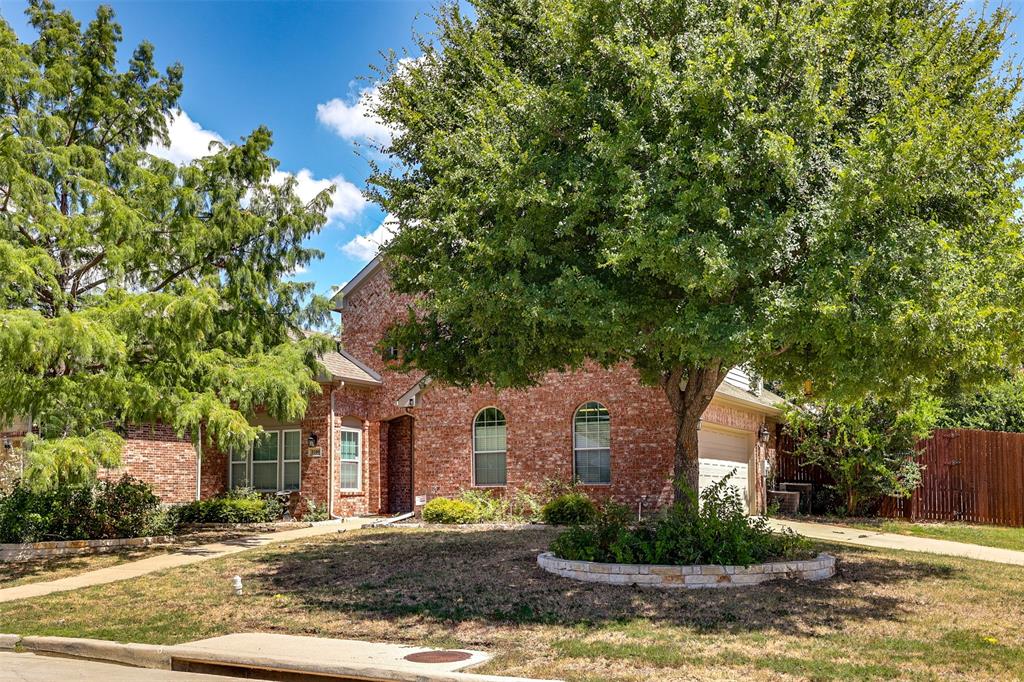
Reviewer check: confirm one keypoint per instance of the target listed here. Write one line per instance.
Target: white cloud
(355, 120)
(189, 140)
(348, 200)
(365, 246)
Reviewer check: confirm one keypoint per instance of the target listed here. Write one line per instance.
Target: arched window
(489, 445)
(591, 444)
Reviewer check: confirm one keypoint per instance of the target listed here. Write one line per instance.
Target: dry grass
(886, 615)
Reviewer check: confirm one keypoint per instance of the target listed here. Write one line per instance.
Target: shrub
(715, 531)
(445, 510)
(122, 509)
(569, 509)
(235, 506)
(125, 509)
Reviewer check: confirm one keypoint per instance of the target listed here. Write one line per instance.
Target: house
(378, 441)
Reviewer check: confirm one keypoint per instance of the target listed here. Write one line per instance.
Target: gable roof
(339, 297)
(764, 402)
(341, 365)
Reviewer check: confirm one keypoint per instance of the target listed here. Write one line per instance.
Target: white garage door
(721, 453)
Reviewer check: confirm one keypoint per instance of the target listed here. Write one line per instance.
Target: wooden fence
(970, 476)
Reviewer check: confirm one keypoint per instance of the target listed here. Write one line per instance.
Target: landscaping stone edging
(691, 577)
(11, 553)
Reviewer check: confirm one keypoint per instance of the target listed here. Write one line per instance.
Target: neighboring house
(379, 441)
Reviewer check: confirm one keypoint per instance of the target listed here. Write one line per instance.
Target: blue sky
(276, 64)
(297, 68)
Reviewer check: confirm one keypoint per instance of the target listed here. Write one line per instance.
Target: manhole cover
(438, 657)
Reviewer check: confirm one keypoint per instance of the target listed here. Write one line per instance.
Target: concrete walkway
(182, 557)
(870, 538)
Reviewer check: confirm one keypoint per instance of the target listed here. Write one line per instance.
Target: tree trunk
(689, 391)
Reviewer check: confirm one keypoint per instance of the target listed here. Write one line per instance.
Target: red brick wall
(155, 454)
(539, 419)
(540, 433)
(400, 464)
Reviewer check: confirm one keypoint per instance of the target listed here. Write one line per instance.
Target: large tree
(823, 190)
(133, 290)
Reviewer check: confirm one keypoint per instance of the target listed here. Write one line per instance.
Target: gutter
(330, 457)
(199, 460)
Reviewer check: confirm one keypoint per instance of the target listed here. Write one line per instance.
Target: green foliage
(569, 509)
(237, 506)
(133, 290)
(998, 406)
(126, 508)
(70, 460)
(822, 190)
(867, 446)
(445, 510)
(717, 531)
(315, 512)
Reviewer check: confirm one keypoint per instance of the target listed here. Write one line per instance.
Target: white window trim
(280, 463)
(472, 434)
(358, 460)
(575, 449)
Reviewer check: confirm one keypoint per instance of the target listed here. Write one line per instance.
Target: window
(349, 469)
(489, 446)
(591, 443)
(273, 463)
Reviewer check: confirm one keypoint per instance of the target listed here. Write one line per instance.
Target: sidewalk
(909, 543)
(183, 557)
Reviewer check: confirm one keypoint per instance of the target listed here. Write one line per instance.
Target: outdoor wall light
(699, 422)
(312, 440)
(7, 444)
(763, 434)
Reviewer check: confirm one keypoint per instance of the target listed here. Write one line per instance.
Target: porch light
(7, 444)
(312, 440)
(763, 434)
(699, 422)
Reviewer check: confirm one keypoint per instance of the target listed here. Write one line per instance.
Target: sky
(301, 69)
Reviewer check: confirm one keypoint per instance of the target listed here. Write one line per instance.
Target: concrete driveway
(870, 538)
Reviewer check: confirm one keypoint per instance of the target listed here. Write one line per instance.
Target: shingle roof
(343, 366)
(767, 401)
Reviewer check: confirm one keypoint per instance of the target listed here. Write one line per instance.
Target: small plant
(236, 506)
(315, 512)
(446, 510)
(569, 509)
(715, 530)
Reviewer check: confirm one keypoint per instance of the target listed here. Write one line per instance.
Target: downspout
(330, 457)
(199, 461)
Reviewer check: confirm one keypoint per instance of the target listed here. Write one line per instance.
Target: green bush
(236, 506)
(445, 510)
(569, 509)
(716, 531)
(123, 509)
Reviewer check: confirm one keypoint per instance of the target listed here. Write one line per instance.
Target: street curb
(9, 642)
(175, 657)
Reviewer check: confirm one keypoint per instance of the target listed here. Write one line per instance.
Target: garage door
(721, 453)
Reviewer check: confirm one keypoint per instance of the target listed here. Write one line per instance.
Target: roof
(341, 365)
(765, 402)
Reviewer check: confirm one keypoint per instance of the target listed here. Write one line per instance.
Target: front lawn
(886, 614)
(990, 536)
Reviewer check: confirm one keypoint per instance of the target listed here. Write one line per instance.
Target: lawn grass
(885, 615)
(990, 536)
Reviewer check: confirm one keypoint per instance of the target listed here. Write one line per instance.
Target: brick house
(377, 441)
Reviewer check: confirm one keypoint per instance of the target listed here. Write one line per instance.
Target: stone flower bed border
(691, 577)
(12, 553)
